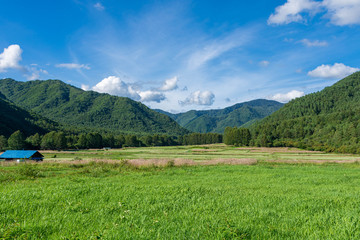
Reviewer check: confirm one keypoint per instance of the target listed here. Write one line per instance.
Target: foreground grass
(118, 201)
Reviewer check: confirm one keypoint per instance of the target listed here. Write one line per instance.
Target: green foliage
(241, 114)
(16, 141)
(200, 138)
(14, 118)
(58, 140)
(328, 120)
(237, 136)
(158, 140)
(3, 142)
(34, 141)
(30, 171)
(48, 141)
(87, 110)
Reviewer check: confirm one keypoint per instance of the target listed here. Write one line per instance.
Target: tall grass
(119, 201)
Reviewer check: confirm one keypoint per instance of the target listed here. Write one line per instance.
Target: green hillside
(74, 107)
(14, 118)
(327, 120)
(240, 114)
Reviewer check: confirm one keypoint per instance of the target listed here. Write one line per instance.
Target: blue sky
(182, 55)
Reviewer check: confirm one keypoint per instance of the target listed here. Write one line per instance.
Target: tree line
(59, 140)
(237, 136)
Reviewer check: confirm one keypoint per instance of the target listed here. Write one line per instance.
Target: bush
(28, 170)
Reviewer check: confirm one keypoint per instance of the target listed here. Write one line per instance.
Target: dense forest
(77, 109)
(241, 114)
(14, 118)
(58, 140)
(328, 120)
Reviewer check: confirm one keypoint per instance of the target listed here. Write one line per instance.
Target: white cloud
(99, 6)
(199, 98)
(286, 97)
(85, 87)
(340, 12)
(151, 96)
(33, 76)
(264, 63)
(35, 73)
(343, 12)
(170, 84)
(72, 66)
(10, 58)
(114, 86)
(215, 49)
(315, 43)
(290, 11)
(338, 70)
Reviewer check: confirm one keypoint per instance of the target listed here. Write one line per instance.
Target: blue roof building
(22, 154)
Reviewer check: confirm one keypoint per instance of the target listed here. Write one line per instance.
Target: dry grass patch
(162, 162)
(277, 150)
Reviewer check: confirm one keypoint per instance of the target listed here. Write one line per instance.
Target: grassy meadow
(199, 154)
(284, 193)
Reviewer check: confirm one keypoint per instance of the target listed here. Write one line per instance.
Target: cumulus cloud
(10, 58)
(151, 96)
(169, 84)
(338, 70)
(340, 12)
(290, 11)
(199, 98)
(315, 43)
(99, 6)
(35, 73)
(72, 66)
(114, 86)
(264, 63)
(286, 97)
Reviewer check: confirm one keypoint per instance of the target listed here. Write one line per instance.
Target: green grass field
(98, 200)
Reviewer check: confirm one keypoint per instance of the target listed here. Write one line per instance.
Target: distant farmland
(198, 154)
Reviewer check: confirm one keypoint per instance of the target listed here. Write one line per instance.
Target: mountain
(241, 114)
(76, 108)
(14, 118)
(327, 120)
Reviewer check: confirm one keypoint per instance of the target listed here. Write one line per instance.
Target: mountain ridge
(75, 107)
(216, 120)
(327, 120)
(14, 118)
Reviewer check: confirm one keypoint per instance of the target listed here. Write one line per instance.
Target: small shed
(10, 155)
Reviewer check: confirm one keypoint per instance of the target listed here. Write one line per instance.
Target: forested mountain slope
(13, 118)
(326, 120)
(235, 116)
(74, 107)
